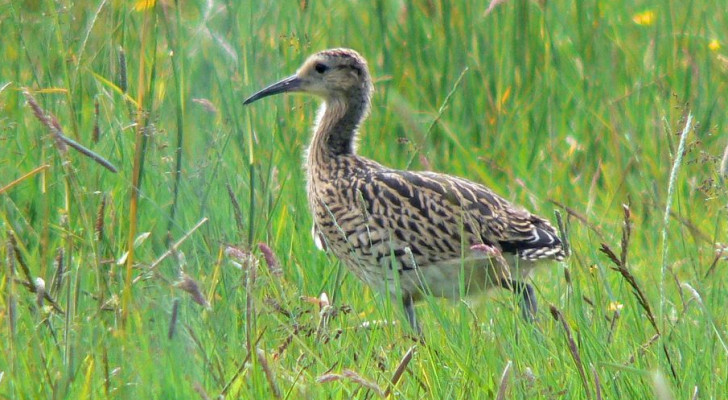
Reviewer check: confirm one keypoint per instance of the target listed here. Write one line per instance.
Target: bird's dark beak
(290, 84)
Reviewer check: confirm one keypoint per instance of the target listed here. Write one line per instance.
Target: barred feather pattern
(379, 220)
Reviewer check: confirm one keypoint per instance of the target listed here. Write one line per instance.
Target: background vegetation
(581, 107)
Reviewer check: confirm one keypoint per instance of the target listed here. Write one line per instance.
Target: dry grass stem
(668, 204)
(283, 346)
(268, 373)
(201, 391)
(694, 229)
(436, 120)
(172, 249)
(24, 177)
(632, 281)
(242, 366)
(573, 349)
(613, 324)
(643, 348)
(626, 233)
(206, 104)
(13, 245)
(505, 378)
(401, 367)
(29, 282)
(250, 314)
(718, 254)
(563, 233)
(640, 295)
(32, 287)
(354, 377)
(61, 140)
(597, 384)
(699, 299)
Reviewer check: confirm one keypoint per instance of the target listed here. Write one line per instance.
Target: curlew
(406, 233)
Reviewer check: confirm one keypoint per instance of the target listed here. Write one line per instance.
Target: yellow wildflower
(714, 45)
(645, 18)
(141, 5)
(615, 306)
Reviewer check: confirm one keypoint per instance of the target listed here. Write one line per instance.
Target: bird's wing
(444, 207)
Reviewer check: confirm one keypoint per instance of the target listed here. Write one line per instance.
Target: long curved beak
(290, 84)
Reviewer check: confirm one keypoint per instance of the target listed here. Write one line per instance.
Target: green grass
(570, 101)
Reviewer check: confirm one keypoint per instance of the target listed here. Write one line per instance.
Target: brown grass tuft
(122, 70)
(237, 211)
(273, 265)
(99, 225)
(173, 320)
(62, 142)
(189, 285)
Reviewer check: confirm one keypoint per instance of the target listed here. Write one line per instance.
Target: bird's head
(331, 74)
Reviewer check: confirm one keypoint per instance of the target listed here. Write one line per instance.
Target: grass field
(612, 114)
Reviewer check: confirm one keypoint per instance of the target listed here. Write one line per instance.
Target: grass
(576, 107)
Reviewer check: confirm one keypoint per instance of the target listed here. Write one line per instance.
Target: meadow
(190, 272)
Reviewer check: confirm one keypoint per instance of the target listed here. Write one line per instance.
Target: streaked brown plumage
(429, 232)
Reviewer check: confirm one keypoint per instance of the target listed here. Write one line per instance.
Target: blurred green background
(577, 107)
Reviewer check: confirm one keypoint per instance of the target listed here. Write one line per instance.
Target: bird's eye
(320, 68)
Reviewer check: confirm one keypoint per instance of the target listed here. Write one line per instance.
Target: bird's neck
(336, 127)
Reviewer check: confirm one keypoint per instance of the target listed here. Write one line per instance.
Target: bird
(407, 234)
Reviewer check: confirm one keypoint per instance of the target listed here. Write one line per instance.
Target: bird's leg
(409, 309)
(529, 304)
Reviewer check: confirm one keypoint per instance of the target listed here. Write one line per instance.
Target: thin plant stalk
(668, 205)
(139, 149)
(177, 61)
